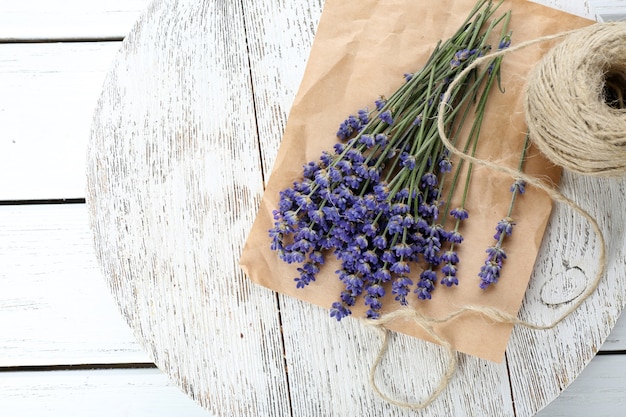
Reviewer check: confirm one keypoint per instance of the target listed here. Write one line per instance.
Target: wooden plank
(610, 10)
(326, 352)
(135, 228)
(189, 105)
(273, 48)
(50, 279)
(583, 8)
(55, 308)
(94, 393)
(49, 92)
(313, 354)
(58, 85)
(598, 391)
(148, 393)
(616, 341)
(68, 19)
(567, 260)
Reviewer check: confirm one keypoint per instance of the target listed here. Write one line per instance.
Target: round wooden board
(186, 130)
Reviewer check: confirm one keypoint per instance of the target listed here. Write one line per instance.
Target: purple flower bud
(450, 257)
(445, 165)
(376, 290)
(383, 275)
(386, 117)
(364, 116)
(429, 180)
(339, 311)
(367, 140)
(518, 186)
(380, 242)
(401, 287)
(505, 42)
(504, 226)
(459, 213)
(400, 268)
(381, 139)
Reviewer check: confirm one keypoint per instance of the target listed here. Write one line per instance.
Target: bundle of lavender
(380, 201)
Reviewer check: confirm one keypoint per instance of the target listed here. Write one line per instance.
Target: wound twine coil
(575, 102)
(575, 112)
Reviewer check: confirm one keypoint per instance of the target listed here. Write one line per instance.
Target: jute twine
(574, 108)
(575, 102)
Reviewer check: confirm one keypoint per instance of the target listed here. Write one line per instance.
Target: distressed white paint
(68, 19)
(49, 92)
(168, 120)
(610, 9)
(598, 391)
(53, 280)
(616, 342)
(94, 393)
(583, 8)
(51, 249)
(54, 306)
(53, 293)
(240, 368)
(561, 354)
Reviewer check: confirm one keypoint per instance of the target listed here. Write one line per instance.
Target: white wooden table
(64, 348)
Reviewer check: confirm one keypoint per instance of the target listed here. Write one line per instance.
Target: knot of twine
(575, 109)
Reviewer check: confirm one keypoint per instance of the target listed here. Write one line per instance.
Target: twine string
(426, 323)
(558, 151)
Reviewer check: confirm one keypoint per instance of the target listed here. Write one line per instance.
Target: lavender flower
(449, 275)
(504, 227)
(461, 56)
(445, 165)
(426, 284)
(490, 271)
(459, 213)
(353, 125)
(401, 287)
(505, 42)
(386, 117)
(518, 186)
(374, 202)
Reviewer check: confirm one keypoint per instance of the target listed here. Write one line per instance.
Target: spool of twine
(576, 98)
(575, 108)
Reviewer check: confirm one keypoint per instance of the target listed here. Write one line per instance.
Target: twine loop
(575, 108)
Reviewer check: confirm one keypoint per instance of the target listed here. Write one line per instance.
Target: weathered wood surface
(93, 393)
(53, 309)
(49, 246)
(49, 93)
(240, 369)
(605, 399)
(54, 305)
(610, 9)
(50, 20)
(177, 109)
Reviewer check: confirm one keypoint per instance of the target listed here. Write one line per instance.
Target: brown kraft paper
(360, 52)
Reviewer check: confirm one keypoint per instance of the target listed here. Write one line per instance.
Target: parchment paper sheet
(361, 50)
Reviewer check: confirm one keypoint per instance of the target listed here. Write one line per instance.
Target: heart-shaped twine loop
(575, 112)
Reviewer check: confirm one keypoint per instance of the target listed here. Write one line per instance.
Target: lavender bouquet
(380, 202)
